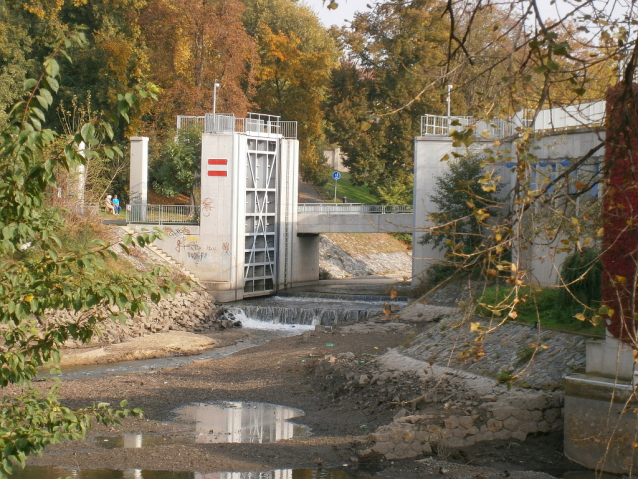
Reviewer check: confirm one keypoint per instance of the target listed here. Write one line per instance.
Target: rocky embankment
(438, 409)
(195, 311)
(359, 254)
(522, 355)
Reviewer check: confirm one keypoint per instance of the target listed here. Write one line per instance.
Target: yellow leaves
(580, 317)
(28, 298)
(475, 327)
(600, 232)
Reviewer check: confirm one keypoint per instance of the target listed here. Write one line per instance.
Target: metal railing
(184, 121)
(436, 125)
(551, 119)
(351, 208)
(255, 124)
(162, 214)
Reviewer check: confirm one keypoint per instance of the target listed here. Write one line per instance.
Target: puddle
(50, 472)
(137, 441)
(241, 422)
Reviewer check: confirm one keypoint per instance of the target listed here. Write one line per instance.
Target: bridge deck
(315, 218)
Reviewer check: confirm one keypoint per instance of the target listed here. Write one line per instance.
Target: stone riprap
(417, 312)
(496, 417)
(532, 357)
(438, 409)
(335, 262)
(194, 311)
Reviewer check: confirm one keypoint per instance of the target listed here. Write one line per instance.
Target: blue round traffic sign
(336, 175)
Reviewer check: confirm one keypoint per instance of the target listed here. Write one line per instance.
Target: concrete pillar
(428, 152)
(287, 224)
(81, 176)
(223, 178)
(138, 192)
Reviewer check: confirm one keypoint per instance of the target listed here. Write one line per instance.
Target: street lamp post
(216, 86)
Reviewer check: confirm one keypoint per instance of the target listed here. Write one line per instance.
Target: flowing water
(318, 309)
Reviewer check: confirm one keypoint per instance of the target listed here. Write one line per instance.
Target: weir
(247, 236)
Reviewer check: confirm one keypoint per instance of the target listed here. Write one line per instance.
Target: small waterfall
(307, 310)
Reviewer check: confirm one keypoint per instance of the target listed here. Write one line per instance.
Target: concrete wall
(536, 250)
(220, 266)
(287, 213)
(355, 223)
(428, 152)
(601, 424)
(334, 158)
(305, 267)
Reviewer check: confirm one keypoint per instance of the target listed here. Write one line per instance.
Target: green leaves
(38, 275)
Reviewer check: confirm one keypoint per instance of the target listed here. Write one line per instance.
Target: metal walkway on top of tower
(581, 115)
(254, 124)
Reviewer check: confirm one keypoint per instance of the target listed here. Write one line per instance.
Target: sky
(338, 17)
(347, 8)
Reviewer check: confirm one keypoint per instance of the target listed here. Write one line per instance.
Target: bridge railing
(162, 214)
(351, 208)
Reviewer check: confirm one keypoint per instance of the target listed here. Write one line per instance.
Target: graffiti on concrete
(198, 256)
(207, 206)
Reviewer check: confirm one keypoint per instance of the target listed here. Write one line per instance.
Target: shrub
(581, 278)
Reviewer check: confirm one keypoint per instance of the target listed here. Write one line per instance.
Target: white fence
(255, 124)
(582, 115)
(351, 208)
(162, 214)
(434, 125)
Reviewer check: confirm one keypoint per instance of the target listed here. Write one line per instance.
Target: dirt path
(279, 372)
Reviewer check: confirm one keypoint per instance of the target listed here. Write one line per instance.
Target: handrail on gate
(352, 208)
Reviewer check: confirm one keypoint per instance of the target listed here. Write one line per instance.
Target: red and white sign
(217, 167)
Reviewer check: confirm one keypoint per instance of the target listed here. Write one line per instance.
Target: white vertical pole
(215, 106)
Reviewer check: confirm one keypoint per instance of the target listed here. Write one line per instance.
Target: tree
(458, 195)
(191, 46)
(378, 96)
(297, 55)
(38, 275)
(175, 169)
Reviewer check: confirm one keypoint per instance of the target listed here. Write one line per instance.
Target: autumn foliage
(620, 213)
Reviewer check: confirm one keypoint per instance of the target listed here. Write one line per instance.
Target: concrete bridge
(316, 218)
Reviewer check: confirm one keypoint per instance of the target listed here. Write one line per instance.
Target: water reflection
(136, 441)
(50, 472)
(241, 422)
